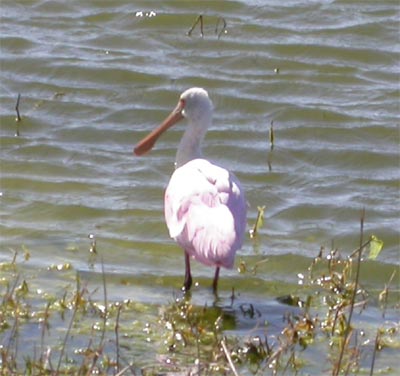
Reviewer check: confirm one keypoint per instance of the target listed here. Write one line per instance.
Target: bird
(204, 204)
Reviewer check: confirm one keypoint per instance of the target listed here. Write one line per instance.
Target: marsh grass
(83, 332)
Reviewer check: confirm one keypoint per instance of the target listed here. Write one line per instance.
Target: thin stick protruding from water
(271, 145)
(105, 317)
(103, 333)
(228, 357)
(198, 19)
(259, 222)
(353, 297)
(271, 135)
(383, 296)
(116, 329)
(223, 29)
(18, 118)
(66, 337)
(374, 353)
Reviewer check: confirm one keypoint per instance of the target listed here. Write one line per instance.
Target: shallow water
(95, 78)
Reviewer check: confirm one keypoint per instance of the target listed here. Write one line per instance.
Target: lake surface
(95, 77)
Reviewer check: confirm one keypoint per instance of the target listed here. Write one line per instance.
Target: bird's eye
(182, 103)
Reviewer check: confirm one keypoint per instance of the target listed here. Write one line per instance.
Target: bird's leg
(188, 276)
(215, 282)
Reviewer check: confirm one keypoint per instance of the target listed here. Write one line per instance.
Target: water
(95, 78)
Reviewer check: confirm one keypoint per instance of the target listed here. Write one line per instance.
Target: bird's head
(194, 104)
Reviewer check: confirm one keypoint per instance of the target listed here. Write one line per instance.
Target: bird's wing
(205, 211)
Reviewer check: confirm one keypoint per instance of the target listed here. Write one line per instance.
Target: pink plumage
(205, 207)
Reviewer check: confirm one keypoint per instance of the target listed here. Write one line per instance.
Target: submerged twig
(198, 19)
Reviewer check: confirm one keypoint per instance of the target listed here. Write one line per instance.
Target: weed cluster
(83, 348)
(323, 316)
(75, 333)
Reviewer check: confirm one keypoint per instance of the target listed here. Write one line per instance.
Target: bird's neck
(190, 145)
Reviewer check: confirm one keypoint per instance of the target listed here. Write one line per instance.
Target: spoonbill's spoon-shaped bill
(148, 142)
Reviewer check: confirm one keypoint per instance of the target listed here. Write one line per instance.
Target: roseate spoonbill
(205, 207)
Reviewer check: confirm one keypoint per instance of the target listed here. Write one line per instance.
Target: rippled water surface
(97, 76)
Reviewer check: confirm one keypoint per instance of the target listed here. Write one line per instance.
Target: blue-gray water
(95, 77)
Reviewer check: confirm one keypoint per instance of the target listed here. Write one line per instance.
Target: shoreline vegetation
(76, 333)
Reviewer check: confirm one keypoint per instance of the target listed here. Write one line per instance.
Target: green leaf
(375, 247)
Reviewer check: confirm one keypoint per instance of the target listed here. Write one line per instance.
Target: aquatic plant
(80, 331)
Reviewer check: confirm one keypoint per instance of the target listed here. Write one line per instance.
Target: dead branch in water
(223, 29)
(198, 19)
(18, 118)
(219, 30)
